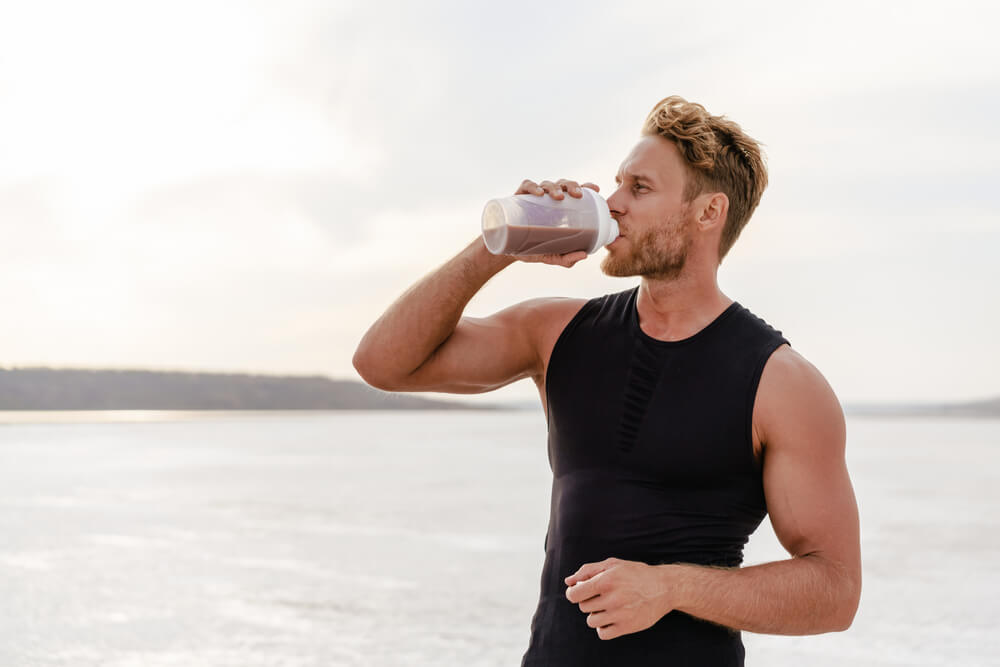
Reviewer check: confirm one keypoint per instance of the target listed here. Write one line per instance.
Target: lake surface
(414, 538)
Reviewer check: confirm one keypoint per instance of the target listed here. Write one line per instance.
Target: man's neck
(678, 308)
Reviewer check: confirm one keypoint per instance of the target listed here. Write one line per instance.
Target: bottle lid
(607, 227)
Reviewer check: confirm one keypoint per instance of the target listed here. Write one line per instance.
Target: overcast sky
(246, 186)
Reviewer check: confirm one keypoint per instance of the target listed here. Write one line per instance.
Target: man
(677, 419)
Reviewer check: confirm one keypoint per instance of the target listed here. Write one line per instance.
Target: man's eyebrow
(633, 176)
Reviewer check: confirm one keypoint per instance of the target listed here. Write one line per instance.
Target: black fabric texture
(651, 451)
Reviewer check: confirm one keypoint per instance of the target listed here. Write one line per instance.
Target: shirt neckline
(634, 320)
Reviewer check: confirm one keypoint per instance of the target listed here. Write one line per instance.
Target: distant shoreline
(26, 417)
(15, 417)
(48, 389)
(977, 410)
(39, 390)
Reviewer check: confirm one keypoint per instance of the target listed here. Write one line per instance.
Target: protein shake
(541, 225)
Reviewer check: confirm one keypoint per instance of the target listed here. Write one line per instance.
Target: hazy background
(245, 186)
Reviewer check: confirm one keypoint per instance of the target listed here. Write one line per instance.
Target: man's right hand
(557, 191)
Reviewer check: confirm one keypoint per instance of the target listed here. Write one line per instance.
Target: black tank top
(650, 444)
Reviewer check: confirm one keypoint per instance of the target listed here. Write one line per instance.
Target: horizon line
(849, 404)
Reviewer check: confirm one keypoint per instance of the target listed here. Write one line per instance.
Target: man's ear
(714, 207)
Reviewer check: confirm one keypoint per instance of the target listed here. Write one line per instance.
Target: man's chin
(610, 266)
(622, 268)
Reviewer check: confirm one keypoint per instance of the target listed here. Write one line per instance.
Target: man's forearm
(800, 596)
(423, 318)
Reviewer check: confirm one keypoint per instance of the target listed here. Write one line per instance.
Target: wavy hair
(719, 156)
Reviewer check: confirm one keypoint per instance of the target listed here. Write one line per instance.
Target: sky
(245, 187)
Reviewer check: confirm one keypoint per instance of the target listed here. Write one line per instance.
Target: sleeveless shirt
(650, 445)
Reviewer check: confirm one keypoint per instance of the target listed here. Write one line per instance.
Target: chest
(677, 416)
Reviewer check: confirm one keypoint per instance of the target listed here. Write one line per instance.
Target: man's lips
(621, 232)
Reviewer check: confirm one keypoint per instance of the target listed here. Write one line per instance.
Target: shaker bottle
(541, 225)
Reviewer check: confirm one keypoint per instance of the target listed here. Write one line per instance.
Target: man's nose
(616, 204)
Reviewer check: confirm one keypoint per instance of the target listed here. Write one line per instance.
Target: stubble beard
(660, 253)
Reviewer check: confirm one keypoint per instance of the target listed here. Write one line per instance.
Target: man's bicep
(809, 495)
(481, 355)
(487, 353)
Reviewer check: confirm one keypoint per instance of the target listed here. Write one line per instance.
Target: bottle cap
(607, 227)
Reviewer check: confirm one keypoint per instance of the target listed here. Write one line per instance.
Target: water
(415, 539)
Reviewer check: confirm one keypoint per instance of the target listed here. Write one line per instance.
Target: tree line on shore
(81, 389)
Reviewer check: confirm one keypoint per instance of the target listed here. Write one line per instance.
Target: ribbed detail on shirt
(643, 376)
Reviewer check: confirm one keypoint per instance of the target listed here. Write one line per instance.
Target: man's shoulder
(794, 394)
(546, 318)
(556, 312)
(759, 324)
(787, 367)
(541, 308)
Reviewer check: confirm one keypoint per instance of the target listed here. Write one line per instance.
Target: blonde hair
(719, 156)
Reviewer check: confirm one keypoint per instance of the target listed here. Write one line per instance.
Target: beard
(659, 253)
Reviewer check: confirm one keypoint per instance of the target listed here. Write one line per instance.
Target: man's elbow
(846, 607)
(369, 370)
(837, 597)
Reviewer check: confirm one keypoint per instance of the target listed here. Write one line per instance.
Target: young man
(677, 419)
